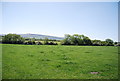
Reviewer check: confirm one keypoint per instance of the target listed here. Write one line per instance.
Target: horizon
(56, 36)
(97, 20)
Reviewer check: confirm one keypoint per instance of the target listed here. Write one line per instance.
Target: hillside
(38, 36)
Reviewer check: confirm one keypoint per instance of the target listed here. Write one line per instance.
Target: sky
(97, 20)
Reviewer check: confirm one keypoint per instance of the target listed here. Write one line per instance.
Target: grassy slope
(59, 62)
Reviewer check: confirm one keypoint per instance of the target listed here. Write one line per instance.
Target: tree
(13, 39)
(46, 41)
(76, 40)
(39, 43)
(96, 42)
(31, 42)
(87, 41)
(0, 39)
(103, 43)
(52, 43)
(67, 40)
(109, 42)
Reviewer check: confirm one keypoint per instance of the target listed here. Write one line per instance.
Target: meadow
(59, 62)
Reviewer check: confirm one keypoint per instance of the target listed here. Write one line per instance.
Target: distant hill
(38, 36)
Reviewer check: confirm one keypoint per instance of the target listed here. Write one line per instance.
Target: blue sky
(97, 20)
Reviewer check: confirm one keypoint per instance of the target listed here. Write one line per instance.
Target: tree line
(84, 40)
(68, 40)
(17, 39)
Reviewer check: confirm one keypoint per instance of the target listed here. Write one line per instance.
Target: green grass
(59, 62)
(0, 62)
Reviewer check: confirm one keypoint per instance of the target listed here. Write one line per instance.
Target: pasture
(59, 62)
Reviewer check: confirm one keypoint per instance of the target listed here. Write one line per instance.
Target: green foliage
(39, 43)
(59, 62)
(109, 42)
(103, 43)
(76, 40)
(68, 40)
(31, 42)
(87, 41)
(52, 43)
(12, 39)
(0, 39)
(84, 40)
(46, 41)
(49, 42)
(97, 42)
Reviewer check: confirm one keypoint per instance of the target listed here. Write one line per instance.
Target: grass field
(59, 62)
(0, 62)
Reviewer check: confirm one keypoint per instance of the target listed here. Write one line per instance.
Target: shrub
(39, 43)
(52, 43)
(12, 39)
(31, 42)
